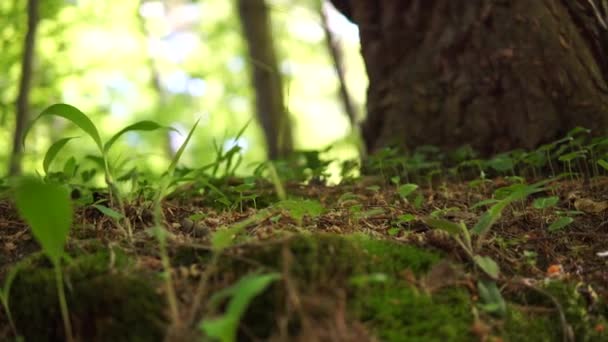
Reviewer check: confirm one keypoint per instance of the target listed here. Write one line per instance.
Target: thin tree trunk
(22, 106)
(335, 51)
(266, 79)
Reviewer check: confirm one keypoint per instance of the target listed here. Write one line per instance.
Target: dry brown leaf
(590, 206)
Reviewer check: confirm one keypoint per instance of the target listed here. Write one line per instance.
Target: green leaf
(491, 299)
(70, 167)
(445, 225)
(48, 211)
(181, 149)
(501, 163)
(486, 221)
(366, 279)
(488, 265)
(394, 231)
(109, 212)
(406, 189)
(52, 152)
(74, 115)
(406, 218)
(568, 157)
(298, 208)
(485, 202)
(545, 202)
(560, 223)
(145, 125)
(603, 164)
(241, 294)
(222, 238)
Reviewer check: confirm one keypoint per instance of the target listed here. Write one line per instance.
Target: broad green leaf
(445, 225)
(52, 152)
(298, 208)
(491, 300)
(578, 129)
(488, 265)
(545, 202)
(74, 115)
(406, 189)
(145, 125)
(48, 211)
(241, 294)
(486, 221)
(394, 231)
(70, 167)
(406, 218)
(501, 163)
(571, 156)
(560, 223)
(603, 164)
(108, 212)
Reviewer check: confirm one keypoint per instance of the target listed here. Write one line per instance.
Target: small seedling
(298, 208)
(74, 115)
(241, 294)
(545, 203)
(492, 301)
(47, 209)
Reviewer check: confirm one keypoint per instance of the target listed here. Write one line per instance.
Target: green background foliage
(103, 57)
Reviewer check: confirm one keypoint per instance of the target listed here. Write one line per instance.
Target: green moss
(521, 326)
(323, 264)
(392, 257)
(104, 305)
(397, 312)
(547, 326)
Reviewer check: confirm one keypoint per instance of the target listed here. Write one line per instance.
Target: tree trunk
(22, 105)
(494, 74)
(266, 79)
(335, 52)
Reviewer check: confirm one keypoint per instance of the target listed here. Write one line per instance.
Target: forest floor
(356, 262)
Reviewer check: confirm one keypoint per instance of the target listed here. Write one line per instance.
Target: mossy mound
(104, 304)
(566, 312)
(324, 274)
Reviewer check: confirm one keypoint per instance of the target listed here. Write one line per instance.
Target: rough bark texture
(495, 74)
(266, 78)
(22, 105)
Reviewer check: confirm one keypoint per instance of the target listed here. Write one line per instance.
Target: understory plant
(47, 209)
(75, 116)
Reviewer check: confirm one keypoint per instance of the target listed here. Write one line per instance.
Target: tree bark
(22, 105)
(266, 79)
(494, 74)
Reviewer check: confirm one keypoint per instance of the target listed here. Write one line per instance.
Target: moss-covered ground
(356, 262)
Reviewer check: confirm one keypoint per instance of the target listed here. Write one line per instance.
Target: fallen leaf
(590, 206)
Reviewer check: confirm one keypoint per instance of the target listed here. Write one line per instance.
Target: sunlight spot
(236, 64)
(197, 87)
(152, 9)
(240, 142)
